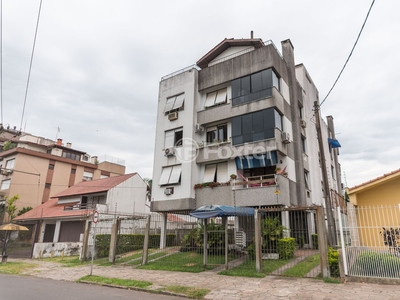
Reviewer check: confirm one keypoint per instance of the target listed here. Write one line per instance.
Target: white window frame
(169, 138)
(10, 164)
(216, 97)
(174, 103)
(5, 184)
(87, 176)
(221, 169)
(171, 175)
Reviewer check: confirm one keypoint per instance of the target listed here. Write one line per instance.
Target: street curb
(135, 289)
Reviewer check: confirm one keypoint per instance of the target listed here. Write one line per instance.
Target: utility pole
(331, 226)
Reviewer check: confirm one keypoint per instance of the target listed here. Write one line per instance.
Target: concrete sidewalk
(225, 287)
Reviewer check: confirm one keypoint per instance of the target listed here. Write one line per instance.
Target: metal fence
(372, 246)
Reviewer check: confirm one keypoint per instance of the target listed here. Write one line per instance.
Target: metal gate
(291, 241)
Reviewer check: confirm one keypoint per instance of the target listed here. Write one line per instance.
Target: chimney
(251, 34)
(59, 142)
(69, 145)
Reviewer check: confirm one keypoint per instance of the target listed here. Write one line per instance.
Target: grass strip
(116, 281)
(194, 293)
(16, 268)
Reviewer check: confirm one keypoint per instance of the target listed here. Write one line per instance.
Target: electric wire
(348, 58)
(30, 64)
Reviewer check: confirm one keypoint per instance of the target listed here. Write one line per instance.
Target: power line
(30, 64)
(348, 58)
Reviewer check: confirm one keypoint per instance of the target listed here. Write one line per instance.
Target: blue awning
(334, 143)
(256, 160)
(210, 211)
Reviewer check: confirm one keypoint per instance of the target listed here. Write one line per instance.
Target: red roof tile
(50, 210)
(94, 186)
(376, 179)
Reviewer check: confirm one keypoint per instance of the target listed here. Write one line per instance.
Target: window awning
(256, 160)
(210, 211)
(334, 143)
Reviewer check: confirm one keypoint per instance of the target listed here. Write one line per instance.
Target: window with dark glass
(255, 126)
(47, 185)
(217, 133)
(173, 138)
(254, 87)
(51, 166)
(73, 171)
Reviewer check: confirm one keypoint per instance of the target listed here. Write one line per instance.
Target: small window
(51, 167)
(216, 98)
(303, 144)
(173, 138)
(171, 175)
(47, 185)
(306, 180)
(5, 184)
(216, 172)
(87, 176)
(174, 103)
(73, 171)
(10, 164)
(217, 133)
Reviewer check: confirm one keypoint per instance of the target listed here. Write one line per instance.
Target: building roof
(94, 186)
(377, 180)
(225, 44)
(51, 209)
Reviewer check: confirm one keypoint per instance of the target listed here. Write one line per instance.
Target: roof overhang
(225, 44)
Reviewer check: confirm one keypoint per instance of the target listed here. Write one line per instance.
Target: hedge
(375, 264)
(286, 248)
(129, 242)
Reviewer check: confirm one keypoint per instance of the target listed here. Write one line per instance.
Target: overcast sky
(97, 67)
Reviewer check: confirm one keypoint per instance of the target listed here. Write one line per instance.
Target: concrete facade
(293, 140)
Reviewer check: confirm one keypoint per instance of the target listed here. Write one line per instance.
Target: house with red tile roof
(383, 190)
(60, 222)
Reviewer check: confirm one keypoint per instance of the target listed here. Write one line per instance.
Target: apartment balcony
(256, 191)
(225, 150)
(227, 111)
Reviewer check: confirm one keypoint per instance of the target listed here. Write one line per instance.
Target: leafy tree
(11, 208)
(24, 210)
(8, 145)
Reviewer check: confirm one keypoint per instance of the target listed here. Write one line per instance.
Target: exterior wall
(296, 90)
(128, 197)
(182, 83)
(386, 193)
(46, 250)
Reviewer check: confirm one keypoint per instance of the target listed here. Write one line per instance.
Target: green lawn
(302, 268)
(184, 262)
(15, 268)
(248, 268)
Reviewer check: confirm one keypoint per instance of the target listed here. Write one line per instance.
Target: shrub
(286, 248)
(378, 264)
(251, 251)
(333, 260)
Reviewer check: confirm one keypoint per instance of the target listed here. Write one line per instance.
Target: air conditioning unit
(169, 151)
(173, 116)
(6, 172)
(303, 123)
(285, 137)
(199, 128)
(169, 191)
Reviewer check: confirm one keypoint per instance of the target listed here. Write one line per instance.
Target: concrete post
(146, 241)
(113, 240)
(205, 242)
(257, 233)
(163, 234)
(322, 242)
(85, 241)
(225, 222)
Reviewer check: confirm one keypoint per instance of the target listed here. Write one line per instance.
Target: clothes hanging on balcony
(257, 160)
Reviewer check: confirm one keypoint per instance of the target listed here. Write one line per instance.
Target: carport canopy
(211, 211)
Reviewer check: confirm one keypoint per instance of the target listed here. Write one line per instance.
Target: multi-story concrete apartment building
(36, 168)
(243, 110)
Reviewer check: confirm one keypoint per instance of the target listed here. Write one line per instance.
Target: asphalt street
(33, 288)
